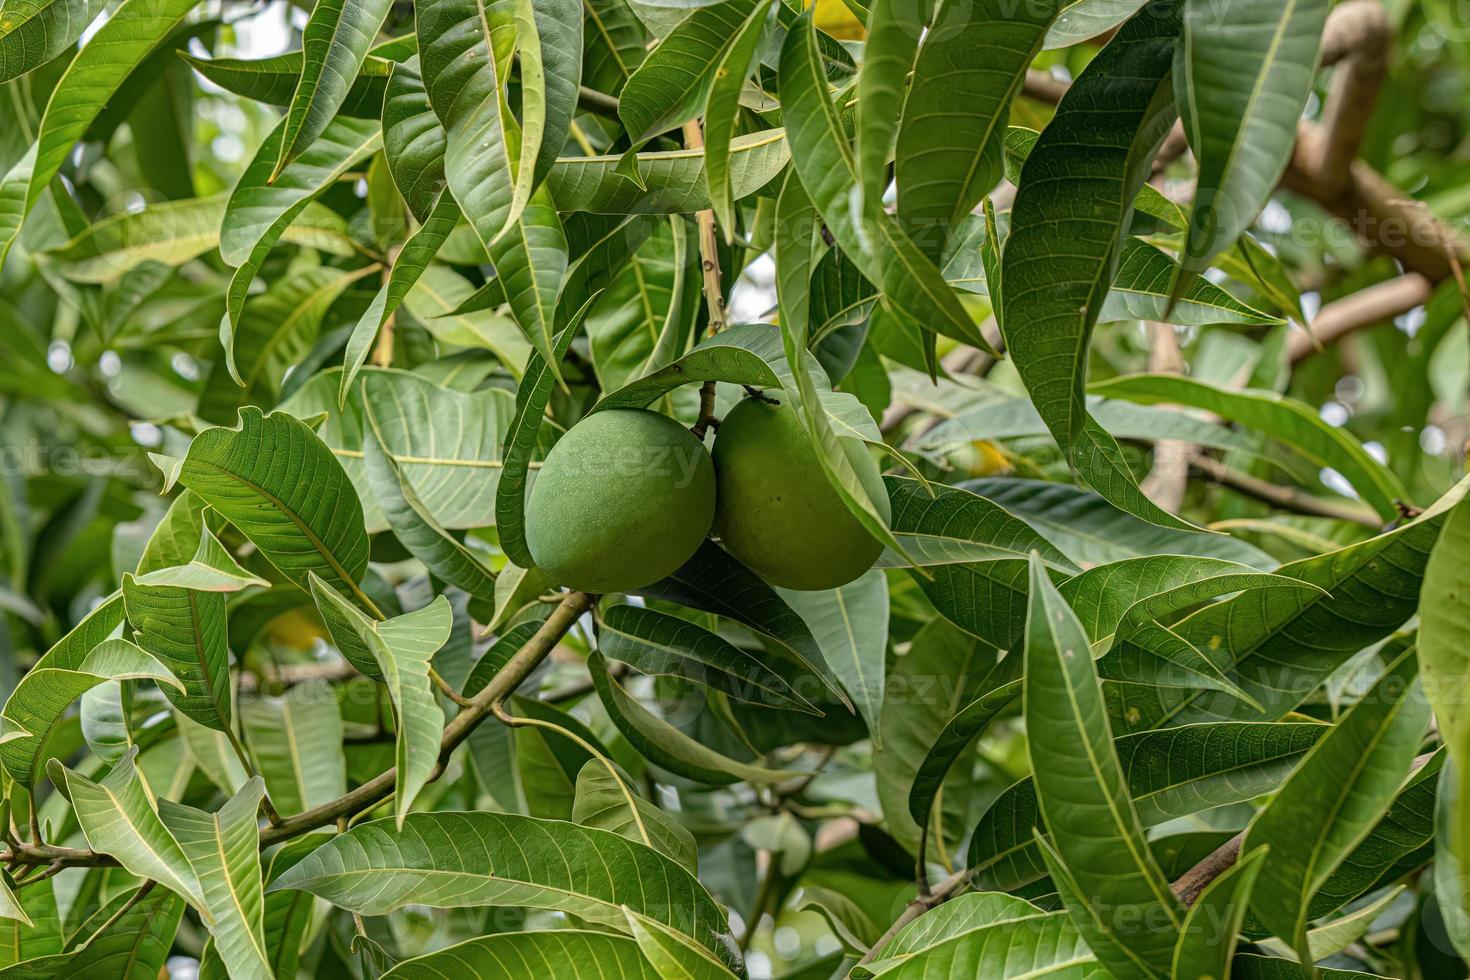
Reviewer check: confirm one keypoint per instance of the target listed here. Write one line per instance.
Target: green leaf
(135, 946)
(255, 476)
(1243, 82)
(45, 692)
(118, 819)
(89, 82)
(672, 954)
(274, 80)
(334, 45)
(10, 907)
(941, 525)
(32, 32)
(433, 302)
(1207, 941)
(658, 644)
(530, 261)
(844, 916)
(970, 66)
(894, 28)
(673, 180)
(264, 203)
(1449, 879)
(666, 746)
(1297, 424)
(1082, 788)
(1081, 20)
(1370, 589)
(453, 860)
(296, 740)
(402, 648)
(414, 141)
(211, 569)
(615, 40)
(1067, 227)
(722, 111)
(674, 81)
(912, 286)
(601, 803)
(223, 849)
(288, 915)
(549, 38)
(412, 523)
(1334, 798)
(851, 627)
(509, 956)
(1142, 291)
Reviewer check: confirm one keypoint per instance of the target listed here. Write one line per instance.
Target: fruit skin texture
(623, 499)
(777, 513)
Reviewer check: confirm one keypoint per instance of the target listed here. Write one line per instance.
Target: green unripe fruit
(776, 511)
(623, 499)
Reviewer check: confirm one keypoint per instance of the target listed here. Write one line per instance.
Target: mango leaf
(941, 525)
(659, 644)
(1067, 227)
(134, 946)
(35, 31)
(1291, 421)
(674, 81)
(850, 625)
(1207, 941)
(253, 475)
(673, 180)
(433, 301)
(912, 286)
(573, 953)
(1449, 881)
(666, 746)
(413, 141)
(615, 44)
(211, 569)
(296, 740)
(600, 803)
(417, 252)
(1335, 797)
(549, 39)
(894, 29)
(334, 45)
(1370, 589)
(402, 648)
(453, 860)
(1444, 653)
(45, 692)
(672, 954)
(970, 66)
(742, 354)
(10, 906)
(273, 80)
(264, 203)
(287, 915)
(1081, 20)
(1243, 81)
(223, 850)
(722, 109)
(411, 521)
(1142, 291)
(1082, 788)
(89, 82)
(117, 818)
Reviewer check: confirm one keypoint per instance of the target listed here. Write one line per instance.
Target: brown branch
(1286, 498)
(1357, 39)
(714, 294)
(1169, 478)
(1216, 863)
(941, 893)
(1365, 308)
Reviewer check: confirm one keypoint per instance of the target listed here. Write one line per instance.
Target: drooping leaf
(601, 803)
(32, 32)
(334, 45)
(722, 109)
(413, 140)
(1335, 797)
(570, 953)
(133, 947)
(457, 859)
(850, 624)
(1080, 20)
(274, 80)
(894, 29)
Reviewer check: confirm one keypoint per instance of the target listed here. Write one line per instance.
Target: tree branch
(1365, 308)
(1286, 498)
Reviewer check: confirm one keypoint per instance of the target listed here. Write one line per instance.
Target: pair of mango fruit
(628, 495)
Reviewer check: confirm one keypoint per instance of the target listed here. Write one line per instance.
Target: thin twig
(1286, 498)
(939, 894)
(714, 295)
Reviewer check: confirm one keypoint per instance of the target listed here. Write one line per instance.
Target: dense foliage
(1149, 313)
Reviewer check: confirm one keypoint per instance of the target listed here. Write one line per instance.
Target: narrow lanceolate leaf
(986, 938)
(136, 945)
(118, 819)
(263, 203)
(274, 479)
(211, 569)
(1450, 888)
(1298, 425)
(1330, 804)
(273, 80)
(334, 44)
(668, 747)
(184, 627)
(1244, 81)
(32, 32)
(1083, 791)
(48, 689)
(912, 286)
(1207, 941)
(1142, 291)
(674, 81)
(1080, 20)
(660, 644)
(573, 953)
(851, 626)
(453, 860)
(894, 29)
(296, 740)
(413, 140)
(89, 82)
(1067, 228)
(1444, 652)
(970, 66)
(549, 44)
(530, 263)
(602, 802)
(941, 525)
(673, 954)
(722, 109)
(402, 648)
(223, 849)
(412, 523)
